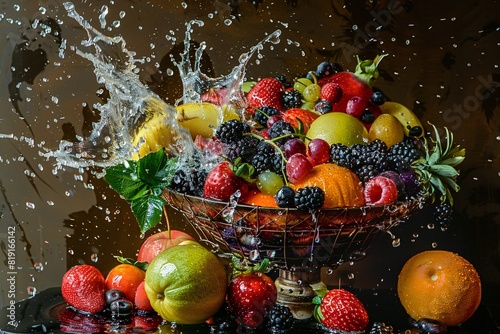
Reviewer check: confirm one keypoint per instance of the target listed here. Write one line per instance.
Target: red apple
(160, 241)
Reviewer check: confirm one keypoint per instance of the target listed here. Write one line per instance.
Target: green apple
(186, 283)
(338, 127)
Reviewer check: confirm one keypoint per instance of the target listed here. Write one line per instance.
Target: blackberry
(366, 172)
(292, 99)
(381, 328)
(284, 81)
(245, 148)
(401, 155)
(279, 319)
(231, 131)
(285, 197)
(261, 115)
(339, 155)
(280, 129)
(309, 198)
(224, 322)
(378, 145)
(263, 160)
(443, 214)
(189, 183)
(278, 164)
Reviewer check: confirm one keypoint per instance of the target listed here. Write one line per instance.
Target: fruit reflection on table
(303, 176)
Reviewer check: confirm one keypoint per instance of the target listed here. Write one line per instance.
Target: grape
(308, 105)
(301, 83)
(324, 69)
(297, 167)
(355, 106)
(269, 183)
(292, 146)
(312, 93)
(319, 151)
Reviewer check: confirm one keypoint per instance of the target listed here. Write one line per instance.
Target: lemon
(387, 128)
(186, 284)
(338, 127)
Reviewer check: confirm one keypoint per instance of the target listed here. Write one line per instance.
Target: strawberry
(215, 96)
(83, 287)
(294, 115)
(341, 311)
(267, 92)
(380, 190)
(354, 84)
(221, 183)
(250, 296)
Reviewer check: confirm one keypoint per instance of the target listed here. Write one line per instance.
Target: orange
(439, 285)
(341, 186)
(257, 198)
(126, 278)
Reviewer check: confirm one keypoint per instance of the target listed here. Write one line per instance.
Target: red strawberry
(250, 297)
(342, 311)
(266, 92)
(305, 116)
(380, 190)
(331, 92)
(222, 182)
(215, 96)
(354, 84)
(83, 287)
(141, 300)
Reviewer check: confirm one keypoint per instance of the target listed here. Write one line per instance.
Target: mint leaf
(141, 183)
(124, 180)
(148, 211)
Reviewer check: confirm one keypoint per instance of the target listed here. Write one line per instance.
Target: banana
(199, 118)
(411, 124)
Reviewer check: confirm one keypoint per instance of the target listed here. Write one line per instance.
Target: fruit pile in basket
(325, 140)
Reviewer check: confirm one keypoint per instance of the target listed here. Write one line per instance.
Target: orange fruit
(126, 278)
(257, 198)
(439, 285)
(294, 115)
(341, 186)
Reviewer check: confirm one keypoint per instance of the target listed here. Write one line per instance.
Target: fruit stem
(167, 221)
(367, 70)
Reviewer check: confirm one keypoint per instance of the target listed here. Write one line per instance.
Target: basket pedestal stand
(295, 291)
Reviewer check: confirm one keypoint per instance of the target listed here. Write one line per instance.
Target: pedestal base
(295, 291)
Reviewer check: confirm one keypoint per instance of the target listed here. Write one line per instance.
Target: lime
(186, 284)
(338, 127)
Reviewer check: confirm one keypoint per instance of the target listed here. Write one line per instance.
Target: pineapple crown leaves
(141, 183)
(437, 168)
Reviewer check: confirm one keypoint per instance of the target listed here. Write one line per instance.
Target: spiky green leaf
(443, 170)
(437, 184)
(454, 161)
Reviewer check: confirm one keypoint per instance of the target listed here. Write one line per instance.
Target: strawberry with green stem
(251, 293)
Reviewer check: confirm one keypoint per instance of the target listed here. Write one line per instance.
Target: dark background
(443, 62)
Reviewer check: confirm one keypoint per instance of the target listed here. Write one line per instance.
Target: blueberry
(323, 107)
(378, 98)
(112, 295)
(324, 69)
(121, 308)
(285, 197)
(367, 117)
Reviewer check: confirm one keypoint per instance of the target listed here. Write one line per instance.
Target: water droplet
(17, 8)
(30, 205)
(434, 244)
(71, 252)
(396, 242)
(42, 10)
(228, 22)
(94, 257)
(122, 14)
(350, 276)
(116, 24)
(50, 203)
(430, 226)
(38, 266)
(31, 290)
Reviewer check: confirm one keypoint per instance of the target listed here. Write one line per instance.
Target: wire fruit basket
(299, 243)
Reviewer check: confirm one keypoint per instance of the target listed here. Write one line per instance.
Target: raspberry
(380, 190)
(309, 198)
(231, 131)
(331, 92)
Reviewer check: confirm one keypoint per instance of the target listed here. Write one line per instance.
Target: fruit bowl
(292, 239)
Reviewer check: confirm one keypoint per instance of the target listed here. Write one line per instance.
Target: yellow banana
(199, 118)
(411, 124)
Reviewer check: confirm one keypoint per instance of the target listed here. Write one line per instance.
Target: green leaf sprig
(141, 183)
